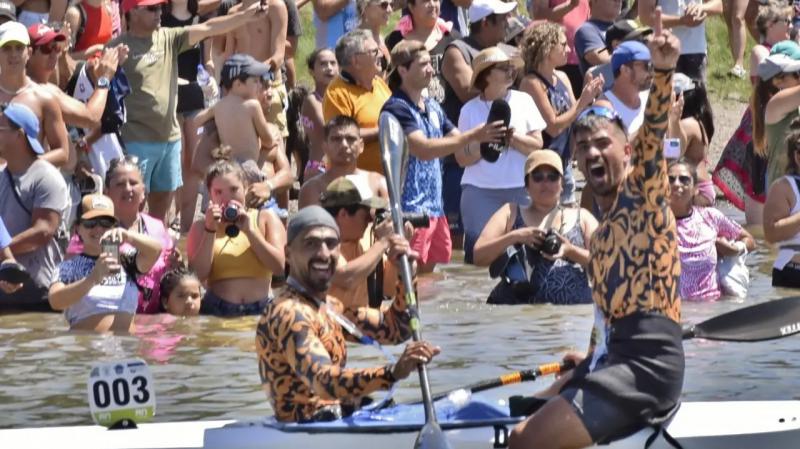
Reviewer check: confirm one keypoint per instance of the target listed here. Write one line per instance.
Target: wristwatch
(103, 82)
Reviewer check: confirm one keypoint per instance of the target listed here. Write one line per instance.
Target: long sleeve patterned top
(302, 353)
(635, 265)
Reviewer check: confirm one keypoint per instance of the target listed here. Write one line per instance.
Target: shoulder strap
(16, 194)
(541, 78)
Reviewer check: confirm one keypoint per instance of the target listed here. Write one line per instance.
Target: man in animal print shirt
(633, 374)
(300, 341)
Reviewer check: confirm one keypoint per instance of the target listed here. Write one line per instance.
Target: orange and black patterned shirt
(302, 353)
(635, 265)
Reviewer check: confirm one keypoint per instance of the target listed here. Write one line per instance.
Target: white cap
(14, 32)
(483, 8)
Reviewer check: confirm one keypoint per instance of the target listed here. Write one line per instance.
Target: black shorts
(294, 26)
(639, 380)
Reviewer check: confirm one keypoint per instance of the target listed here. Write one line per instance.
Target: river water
(205, 368)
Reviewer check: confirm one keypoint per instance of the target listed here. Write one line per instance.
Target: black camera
(230, 212)
(551, 244)
(417, 220)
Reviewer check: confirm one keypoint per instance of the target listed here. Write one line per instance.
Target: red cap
(41, 34)
(128, 5)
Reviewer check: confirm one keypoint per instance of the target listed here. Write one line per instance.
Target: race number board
(121, 390)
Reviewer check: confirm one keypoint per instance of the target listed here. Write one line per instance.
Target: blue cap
(788, 48)
(629, 51)
(23, 116)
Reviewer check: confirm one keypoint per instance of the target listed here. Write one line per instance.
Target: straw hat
(489, 57)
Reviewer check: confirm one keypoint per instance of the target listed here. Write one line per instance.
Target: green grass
(719, 57)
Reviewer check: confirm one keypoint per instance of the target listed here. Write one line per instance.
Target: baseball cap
(776, 64)
(8, 10)
(540, 158)
(351, 190)
(625, 30)
(14, 32)
(23, 116)
(489, 57)
(481, 9)
(96, 205)
(241, 63)
(515, 26)
(629, 51)
(787, 47)
(308, 217)
(41, 34)
(128, 5)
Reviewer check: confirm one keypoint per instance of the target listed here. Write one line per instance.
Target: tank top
(787, 249)
(559, 97)
(559, 281)
(233, 257)
(97, 26)
(631, 117)
(468, 48)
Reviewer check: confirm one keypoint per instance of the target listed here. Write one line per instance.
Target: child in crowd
(181, 293)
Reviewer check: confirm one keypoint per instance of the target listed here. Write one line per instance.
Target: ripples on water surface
(205, 368)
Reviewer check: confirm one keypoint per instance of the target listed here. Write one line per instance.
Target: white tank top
(632, 118)
(788, 248)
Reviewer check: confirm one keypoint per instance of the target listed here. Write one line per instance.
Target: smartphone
(672, 148)
(13, 273)
(112, 248)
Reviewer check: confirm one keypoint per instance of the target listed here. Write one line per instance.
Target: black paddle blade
(765, 321)
(431, 437)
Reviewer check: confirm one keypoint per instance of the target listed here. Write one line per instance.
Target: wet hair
(311, 61)
(222, 168)
(690, 167)
(697, 106)
(763, 91)
(475, 27)
(350, 44)
(769, 14)
(538, 41)
(340, 121)
(171, 280)
(793, 147)
(125, 161)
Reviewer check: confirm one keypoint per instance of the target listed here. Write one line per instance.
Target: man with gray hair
(359, 92)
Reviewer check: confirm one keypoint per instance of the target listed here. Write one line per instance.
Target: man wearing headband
(300, 340)
(15, 86)
(633, 373)
(34, 197)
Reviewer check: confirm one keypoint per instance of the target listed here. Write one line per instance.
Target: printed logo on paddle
(121, 389)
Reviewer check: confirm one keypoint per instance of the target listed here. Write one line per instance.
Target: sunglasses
(103, 222)
(607, 113)
(48, 49)
(683, 179)
(151, 8)
(550, 176)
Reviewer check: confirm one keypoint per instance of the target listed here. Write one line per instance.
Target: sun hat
(540, 158)
(489, 57)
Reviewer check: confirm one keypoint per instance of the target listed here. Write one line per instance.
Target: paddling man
(299, 339)
(634, 370)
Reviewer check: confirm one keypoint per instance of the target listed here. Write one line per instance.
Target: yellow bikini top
(233, 257)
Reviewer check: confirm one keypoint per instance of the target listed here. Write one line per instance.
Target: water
(205, 368)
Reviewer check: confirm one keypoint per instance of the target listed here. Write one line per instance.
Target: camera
(230, 212)
(417, 220)
(551, 244)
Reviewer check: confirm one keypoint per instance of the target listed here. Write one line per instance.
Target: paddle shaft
(513, 378)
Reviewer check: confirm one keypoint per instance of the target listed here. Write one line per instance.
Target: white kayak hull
(706, 425)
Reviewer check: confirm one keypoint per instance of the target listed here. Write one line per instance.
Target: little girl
(180, 293)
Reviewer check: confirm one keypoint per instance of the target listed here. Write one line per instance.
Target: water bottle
(207, 84)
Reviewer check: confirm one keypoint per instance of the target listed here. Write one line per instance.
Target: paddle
(394, 153)
(759, 322)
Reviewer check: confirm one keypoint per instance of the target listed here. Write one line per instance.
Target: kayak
(477, 425)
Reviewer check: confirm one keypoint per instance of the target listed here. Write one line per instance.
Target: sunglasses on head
(602, 111)
(103, 222)
(683, 179)
(550, 176)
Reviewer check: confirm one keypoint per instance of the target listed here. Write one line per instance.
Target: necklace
(14, 93)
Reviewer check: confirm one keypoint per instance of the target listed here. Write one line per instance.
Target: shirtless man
(265, 40)
(47, 46)
(15, 86)
(40, 11)
(343, 144)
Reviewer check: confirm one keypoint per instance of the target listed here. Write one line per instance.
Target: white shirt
(693, 39)
(632, 118)
(508, 171)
